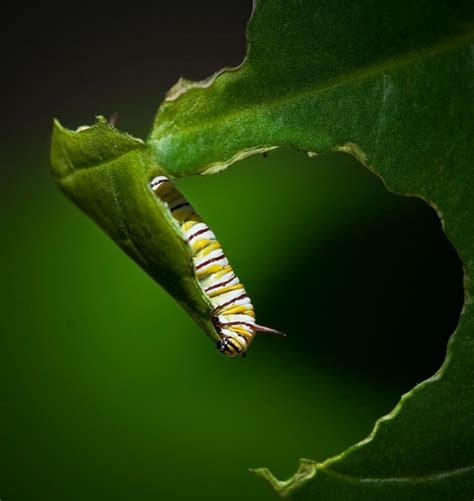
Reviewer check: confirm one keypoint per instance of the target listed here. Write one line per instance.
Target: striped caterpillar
(233, 314)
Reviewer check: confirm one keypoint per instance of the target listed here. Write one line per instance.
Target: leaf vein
(433, 477)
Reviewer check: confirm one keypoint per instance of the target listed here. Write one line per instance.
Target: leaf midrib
(96, 166)
(432, 477)
(285, 488)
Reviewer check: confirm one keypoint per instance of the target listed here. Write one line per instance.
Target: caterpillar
(233, 314)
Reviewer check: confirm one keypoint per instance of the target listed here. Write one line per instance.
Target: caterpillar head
(230, 346)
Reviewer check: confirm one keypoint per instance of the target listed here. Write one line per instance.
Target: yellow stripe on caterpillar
(223, 290)
(187, 226)
(243, 332)
(214, 268)
(212, 246)
(198, 244)
(220, 274)
(246, 309)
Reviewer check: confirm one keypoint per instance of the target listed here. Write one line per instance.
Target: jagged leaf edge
(308, 468)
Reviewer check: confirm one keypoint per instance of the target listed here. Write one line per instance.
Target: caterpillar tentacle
(268, 330)
(233, 316)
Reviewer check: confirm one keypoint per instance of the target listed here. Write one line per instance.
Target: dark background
(109, 391)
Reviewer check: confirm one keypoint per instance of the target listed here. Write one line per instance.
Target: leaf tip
(307, 469)
(87, 146)
(265, 473)
(59, 166)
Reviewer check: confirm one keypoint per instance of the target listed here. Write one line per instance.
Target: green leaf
(107, 173)
(392, 84)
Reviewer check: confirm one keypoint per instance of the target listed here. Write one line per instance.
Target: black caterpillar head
(230, 347)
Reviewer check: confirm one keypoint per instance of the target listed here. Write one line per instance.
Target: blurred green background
(109, 391)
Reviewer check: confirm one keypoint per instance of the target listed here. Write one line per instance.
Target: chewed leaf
(393, 85)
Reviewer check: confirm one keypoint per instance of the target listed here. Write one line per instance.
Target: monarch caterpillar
(233, 315)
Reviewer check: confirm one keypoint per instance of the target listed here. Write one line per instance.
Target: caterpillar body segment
(233, 315)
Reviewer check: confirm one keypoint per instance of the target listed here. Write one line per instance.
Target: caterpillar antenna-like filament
(268, 330)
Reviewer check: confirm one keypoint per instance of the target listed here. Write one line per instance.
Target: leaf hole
(364, 282)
